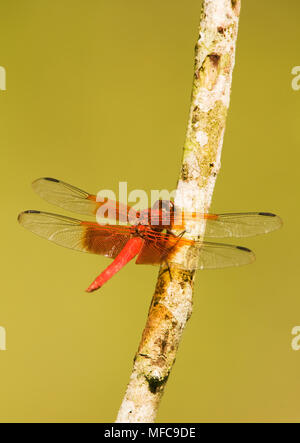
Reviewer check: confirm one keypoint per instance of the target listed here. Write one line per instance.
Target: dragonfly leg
(167, 269)
(174, 235)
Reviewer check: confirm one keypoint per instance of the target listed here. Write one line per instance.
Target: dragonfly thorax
(141, 230)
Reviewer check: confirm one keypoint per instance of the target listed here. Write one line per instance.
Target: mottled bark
(171, 305)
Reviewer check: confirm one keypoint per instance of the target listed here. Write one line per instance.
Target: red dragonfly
(150, 238)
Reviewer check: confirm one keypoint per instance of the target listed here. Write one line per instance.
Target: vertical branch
(171, 306)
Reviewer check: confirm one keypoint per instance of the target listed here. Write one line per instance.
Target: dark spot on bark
(184, 172)
(160, 362)
(156, 383)
(196, 114)
(198, 72)
(174, 324)
(160, 288)
(187, 276)
(211, 165)
(163, 345)
(144, 355)
(215, 58)
(164, 342)
(235, 4)
(221, 30)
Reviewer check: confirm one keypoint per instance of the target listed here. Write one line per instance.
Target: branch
(171, 306)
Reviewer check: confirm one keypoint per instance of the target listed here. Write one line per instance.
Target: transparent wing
(75, 234)
(73, 199)
(209, 255)
(242, 225)
(246, 224)
(187, 254)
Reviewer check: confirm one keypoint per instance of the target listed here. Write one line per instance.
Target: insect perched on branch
(150, 237)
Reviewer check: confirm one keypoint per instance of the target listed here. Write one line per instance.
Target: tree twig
(171, 306)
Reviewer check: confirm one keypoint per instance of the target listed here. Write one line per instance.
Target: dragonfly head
(162, 213)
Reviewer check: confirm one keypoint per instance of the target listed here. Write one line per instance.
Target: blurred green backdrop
(97, 93)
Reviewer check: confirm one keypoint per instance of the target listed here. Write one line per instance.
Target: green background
(98, 92)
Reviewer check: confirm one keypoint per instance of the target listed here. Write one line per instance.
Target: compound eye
(167, 205)
(163, 205)
(156, 205)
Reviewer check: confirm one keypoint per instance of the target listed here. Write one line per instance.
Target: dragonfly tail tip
(92, 288)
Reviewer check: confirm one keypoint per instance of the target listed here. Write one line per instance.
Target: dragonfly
(150, 238)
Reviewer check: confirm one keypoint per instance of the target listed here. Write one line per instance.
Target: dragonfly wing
(207, 255)
(75, 234)
(74, 199)
(241, 225)
(157, 248)
(187, 254)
